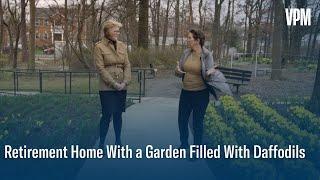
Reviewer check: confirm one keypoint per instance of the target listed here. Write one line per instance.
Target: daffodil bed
(250, 122)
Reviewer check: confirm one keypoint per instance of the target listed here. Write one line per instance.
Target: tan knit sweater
(192, 80)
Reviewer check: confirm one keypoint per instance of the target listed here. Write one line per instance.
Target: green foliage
(216, 129)
(305, 119)
(219, 133)
(274, 122)
(247, 130)
(50, 119)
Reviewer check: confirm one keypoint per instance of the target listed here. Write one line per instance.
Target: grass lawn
(55, 83)
(49, 121)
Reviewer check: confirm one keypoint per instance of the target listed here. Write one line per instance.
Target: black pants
(104, 126)
(113, 103)
(196, 102)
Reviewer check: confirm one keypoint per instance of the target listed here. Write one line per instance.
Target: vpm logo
(293, 15)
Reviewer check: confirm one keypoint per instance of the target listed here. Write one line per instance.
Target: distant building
(50, 26)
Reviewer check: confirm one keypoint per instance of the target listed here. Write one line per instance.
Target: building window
(37, 22)
(46, 22)
(58, 37)
(37, 35)
(45, 36)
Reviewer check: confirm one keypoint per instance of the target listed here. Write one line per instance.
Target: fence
(66, 82)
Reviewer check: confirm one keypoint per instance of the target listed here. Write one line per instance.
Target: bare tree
(250, 9)
(216, 30)
(277, 41)
(13, 25)
(131, 24)
(82, 11)
(227, 28)
(143, 24)
(258, 17)
(165, 26)
(25, 53)
(155, 14)
(176, 23)
(315, 35)
(200, 14)
(66, 34)
(190, 13)
(286, 50)
(31, 63)
(1, 27)
(297, 32)
(267, 30)
(315, 98)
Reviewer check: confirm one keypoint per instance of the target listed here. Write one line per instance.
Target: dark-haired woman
(111, 60)
(195, 65)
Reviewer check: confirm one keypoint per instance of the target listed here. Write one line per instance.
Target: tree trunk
(258, 18)
(285, 32)
(250, 12)
(15, 50)
(315, 35)
(81, 22)
(200, 14)
(25, 55)
(226, 37)
(155, 16)
(315, 98)
(158, 22)
(131, 23)
(165, 27)
(1, 27)
(66, 35)
(276, 41)
(216, 31)
(296, 34)
(266, 33)
(191, 14)
(11, 56)
(249, 39)
(93, 31)
(143, 24)
(176, 23)
(271, 21)
(31, 63)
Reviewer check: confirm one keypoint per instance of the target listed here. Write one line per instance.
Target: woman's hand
(123, 86)
(119, 86)
(211, 71)
(178, 69)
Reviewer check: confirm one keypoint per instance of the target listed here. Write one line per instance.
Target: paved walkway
(154, 121)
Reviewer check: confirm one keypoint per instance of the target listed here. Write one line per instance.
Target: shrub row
(274, 122)
(247, 130)
(305, 119)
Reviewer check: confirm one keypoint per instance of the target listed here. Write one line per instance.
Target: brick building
(50, 26)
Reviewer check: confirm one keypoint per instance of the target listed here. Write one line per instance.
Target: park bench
(236, 77)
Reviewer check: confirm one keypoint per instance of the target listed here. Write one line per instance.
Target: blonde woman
(113, 66)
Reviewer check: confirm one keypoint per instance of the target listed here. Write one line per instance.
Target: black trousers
(112, 105)
(104, 126)
(196, 102)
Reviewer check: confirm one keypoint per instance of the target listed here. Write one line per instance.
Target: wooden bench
(236, 77)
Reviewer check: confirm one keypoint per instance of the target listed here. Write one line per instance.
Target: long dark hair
(198, 35)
